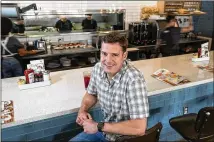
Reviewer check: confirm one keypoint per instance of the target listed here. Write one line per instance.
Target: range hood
(78, 13)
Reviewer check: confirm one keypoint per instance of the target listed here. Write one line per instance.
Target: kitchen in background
(141, 22)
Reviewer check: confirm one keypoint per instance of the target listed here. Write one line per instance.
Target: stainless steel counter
(51, 53)
(182, 41)
(35, 34)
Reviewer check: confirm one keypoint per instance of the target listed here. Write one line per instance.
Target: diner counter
(65, 94)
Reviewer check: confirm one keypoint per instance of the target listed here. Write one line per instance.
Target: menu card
(206, 68)
(169, 77)
(7, 112)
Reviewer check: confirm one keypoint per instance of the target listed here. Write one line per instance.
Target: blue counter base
(162, 107)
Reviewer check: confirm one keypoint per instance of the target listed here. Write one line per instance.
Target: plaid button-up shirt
(122, 98)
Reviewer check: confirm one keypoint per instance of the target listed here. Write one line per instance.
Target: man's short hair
(115, 37)
(88, 14)
(6, 26)
(170, 17)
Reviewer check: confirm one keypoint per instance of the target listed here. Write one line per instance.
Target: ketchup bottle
(28, 74)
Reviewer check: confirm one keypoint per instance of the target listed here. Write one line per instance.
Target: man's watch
(100, 126)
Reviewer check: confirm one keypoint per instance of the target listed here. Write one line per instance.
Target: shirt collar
(119, 74)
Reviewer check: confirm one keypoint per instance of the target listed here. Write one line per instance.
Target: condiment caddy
(35, 76)
(203, 53)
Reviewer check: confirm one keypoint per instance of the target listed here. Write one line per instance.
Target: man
(63, 25)
(121, 91)
(18, 26)
(11, 51)
(88, 23)
(171, 34)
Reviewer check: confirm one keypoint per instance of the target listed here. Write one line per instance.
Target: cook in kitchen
(63, 25)
(18, 26)
(89, 23)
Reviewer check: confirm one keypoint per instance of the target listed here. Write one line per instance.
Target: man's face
(20, 22)
(63, 19)
(172, 22)
(89, 17)
(112, 57)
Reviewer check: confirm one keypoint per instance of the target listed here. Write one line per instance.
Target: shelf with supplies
(174, 6)
(192, 5)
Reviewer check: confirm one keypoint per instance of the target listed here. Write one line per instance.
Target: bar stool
(195, 127)
(151, 135)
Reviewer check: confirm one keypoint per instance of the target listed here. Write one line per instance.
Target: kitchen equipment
(41, 44)
(143, 33)
(10, 10)
(65, 62)
(30, 45)
(33, 28)
(53, 65)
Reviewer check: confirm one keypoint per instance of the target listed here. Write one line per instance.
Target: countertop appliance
(39, 45)
(10, 10)
(143, 33)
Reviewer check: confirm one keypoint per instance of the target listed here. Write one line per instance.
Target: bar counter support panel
(162, 107)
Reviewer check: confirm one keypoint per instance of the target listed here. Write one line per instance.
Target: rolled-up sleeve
(91, 89)
(137, 99)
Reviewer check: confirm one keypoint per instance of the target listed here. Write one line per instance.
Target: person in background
(122, 94)
(18, 26)
(88, 23)
(11, 50)
(63, 25)
(171, 34)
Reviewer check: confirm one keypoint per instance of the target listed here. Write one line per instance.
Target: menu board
(173, 6)
(7, 112)
(192, 5)
(169, 77)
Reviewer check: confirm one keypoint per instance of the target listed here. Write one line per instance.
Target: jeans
(11, 67)
(81, 137)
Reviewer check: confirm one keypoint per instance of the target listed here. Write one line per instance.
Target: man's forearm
(129, 127)
(88, 102)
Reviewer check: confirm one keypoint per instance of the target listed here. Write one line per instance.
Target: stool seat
(151, 135)
(195, 127)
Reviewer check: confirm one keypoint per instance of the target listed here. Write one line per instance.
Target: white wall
(133, 8)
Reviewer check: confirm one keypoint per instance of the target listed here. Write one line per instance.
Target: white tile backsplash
(133, 8)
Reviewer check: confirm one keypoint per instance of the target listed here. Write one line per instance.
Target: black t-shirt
(89, 24)
(13, 45)
(171, 35)
(64, 26)
(18, 28)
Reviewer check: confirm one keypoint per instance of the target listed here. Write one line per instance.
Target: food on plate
(147, 11)
(198, 12)
(69, 46)
(183, 11)
(21, 81)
